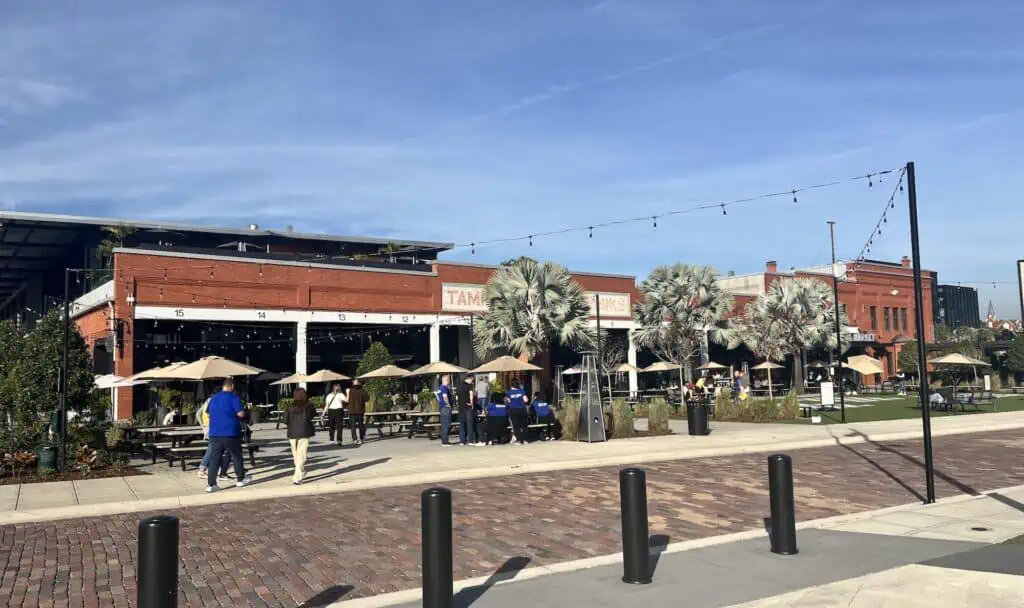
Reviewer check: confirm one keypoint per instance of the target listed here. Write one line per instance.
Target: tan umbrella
(505, 364)
(293, 379)
(710, 365)
(625, 368)
(863, 364)
(660, 366)
(210, 368)
(388, 371)
(572, 371)
(325, 375)
(769, 366)
(158, 373)
(438, 367)
(959, 360)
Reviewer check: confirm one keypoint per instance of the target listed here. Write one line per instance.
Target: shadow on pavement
(506, 572)
(892, 476)
(953, 481)
(658, 543)
(287, 469)
(327, 596)
(1006, 500)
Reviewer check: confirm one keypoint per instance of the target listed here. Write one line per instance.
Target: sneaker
(360, 442)
(244, 482)
(210, 489)
(446, 445)
(201, 473)
(296, 482)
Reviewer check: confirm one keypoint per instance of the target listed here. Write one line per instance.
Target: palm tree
(680, 303)
(792, 316)
(529, 304)
(115, 238)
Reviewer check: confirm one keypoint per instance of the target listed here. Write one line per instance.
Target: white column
(435, 342)
(300, 349)
(631, 359)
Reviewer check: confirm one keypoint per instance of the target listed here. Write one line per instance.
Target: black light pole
(62, 385)
(597, 305)
(839, 334)
(922, 349)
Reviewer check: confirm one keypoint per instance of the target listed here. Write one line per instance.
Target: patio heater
(591, 417)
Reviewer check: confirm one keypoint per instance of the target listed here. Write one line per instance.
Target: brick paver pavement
(316, 549)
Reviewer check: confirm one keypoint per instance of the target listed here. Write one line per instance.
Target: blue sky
(465, 121)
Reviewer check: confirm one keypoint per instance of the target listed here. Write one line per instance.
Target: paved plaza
(319, 548)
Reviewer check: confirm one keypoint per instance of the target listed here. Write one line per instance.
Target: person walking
(444, 404)
(517, 402)
(203, 417)
(334, 410)
(300, 429)
(357, 397)
(466, 398)
(481, 400)
(226, 414)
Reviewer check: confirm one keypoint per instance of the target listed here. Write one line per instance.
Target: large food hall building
(145, 294)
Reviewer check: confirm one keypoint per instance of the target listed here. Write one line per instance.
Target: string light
(654, 219)
(883, 219)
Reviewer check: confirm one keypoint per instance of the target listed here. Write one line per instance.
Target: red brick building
(877, 296)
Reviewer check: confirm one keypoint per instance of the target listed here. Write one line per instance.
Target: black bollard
(157, 575)
(438, 583)
(782, 525)
(636, 552)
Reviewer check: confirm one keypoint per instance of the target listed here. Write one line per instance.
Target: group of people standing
(352, 405)
(484, 416)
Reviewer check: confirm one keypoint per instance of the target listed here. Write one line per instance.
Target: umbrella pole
(771, 395)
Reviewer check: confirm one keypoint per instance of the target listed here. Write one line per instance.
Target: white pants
(299, 448)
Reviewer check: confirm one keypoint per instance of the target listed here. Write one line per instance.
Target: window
(903, 314)
(885, 317)
(874, 317)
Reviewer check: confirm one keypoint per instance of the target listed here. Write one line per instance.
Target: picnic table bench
(183, 452)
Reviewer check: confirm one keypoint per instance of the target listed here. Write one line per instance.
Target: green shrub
(758, 410)
(642, 410)
(725, 408)
(375, 357)
(144, 418)
(427, 400)
(622, 420)
(790, 407)
(569, 417)
(497, 386)
(657, 418)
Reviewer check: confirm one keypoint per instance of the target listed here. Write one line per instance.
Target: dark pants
(497, 427)
(467, 425)
(518, 418)
(335, 423)
(446, 423)
(219, 448)
(549, 420)
(356, 420)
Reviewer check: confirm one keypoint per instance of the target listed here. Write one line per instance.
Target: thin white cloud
(28, 96)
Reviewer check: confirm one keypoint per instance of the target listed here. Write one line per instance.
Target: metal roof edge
(269, 262)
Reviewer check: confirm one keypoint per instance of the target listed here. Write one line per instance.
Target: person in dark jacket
(300, 429)
(357, 397)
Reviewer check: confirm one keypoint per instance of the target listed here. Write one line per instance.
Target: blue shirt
(517, 399)
(541, 409)
(223, 410)
(444, 396)
(496, 409)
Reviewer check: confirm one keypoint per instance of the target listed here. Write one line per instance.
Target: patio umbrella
(572, 371)
(625, 368)
(387, 371)
(959, 360)
(818, 364)
(158, 373)
(710, 365)
(506, 364)
(325, 375)
(769, 366)
(864, 365)
(660, 366)
(211, 368)
(438, 367)
(293, 379)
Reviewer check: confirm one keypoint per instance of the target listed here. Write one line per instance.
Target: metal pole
(597, 304)
(922, 346)
(839, 334)
(636, 552)
(436, 530)
(782, 523)
(157, 577)
(62, 422)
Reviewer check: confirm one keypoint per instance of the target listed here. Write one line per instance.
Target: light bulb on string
(472, 248)
(531, 240)
(591, 228)
(723, 209)
(654, 219)
(871, 184)
(794, 196)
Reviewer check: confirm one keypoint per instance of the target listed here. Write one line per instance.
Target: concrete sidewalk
(915, 555)
(400, 461)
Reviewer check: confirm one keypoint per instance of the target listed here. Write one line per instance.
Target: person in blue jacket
(444, 404)
(544, 415)
(517, 402)
(496, 421)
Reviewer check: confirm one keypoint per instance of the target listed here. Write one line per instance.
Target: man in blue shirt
(226, 412)
(517, 400)
(542, 410)
(444, 404)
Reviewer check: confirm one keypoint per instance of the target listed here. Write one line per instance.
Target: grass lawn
(909, 407)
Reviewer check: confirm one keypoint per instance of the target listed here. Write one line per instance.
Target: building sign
(459, 297)
(612, 304)
(463, 297)
(859, 337)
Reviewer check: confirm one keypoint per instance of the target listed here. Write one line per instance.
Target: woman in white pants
(300, 429)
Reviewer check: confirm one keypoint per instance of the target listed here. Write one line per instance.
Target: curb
(230, 495)
(415, 595)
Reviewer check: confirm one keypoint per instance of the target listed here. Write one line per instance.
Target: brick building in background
(877, 296)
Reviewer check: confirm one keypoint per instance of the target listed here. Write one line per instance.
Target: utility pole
(839, 331)
(922, 346)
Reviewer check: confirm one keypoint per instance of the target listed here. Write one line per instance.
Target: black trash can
(47, 458)
(697, 419)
